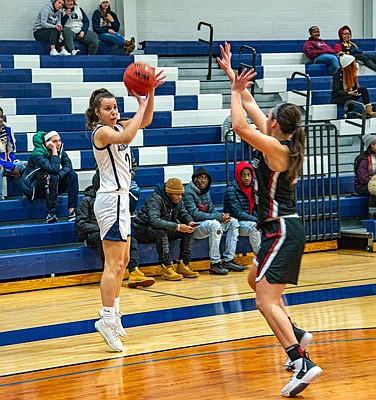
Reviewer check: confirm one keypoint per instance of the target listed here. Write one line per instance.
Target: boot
(137, 278)
(129, 49)
(369, 111)
(169, 273)
(130, 42)
(185, 270)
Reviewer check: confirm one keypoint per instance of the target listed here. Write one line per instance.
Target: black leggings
(50, 36)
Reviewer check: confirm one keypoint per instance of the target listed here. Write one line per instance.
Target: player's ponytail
(94, 104)
(289, 118)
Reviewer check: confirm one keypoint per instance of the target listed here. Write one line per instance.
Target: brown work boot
(169, 273)
(137, 278)
(185, 270)
(370, 111)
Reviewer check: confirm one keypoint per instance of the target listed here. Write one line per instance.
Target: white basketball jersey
(114, 164)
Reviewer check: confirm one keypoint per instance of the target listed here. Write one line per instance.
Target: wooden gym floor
(195, 339)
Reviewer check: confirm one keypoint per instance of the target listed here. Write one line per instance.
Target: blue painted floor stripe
(179, 314)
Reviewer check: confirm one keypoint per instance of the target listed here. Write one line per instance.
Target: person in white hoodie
(48, 28)
(76, 27)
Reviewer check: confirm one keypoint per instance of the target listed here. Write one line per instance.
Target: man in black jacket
(162, 218)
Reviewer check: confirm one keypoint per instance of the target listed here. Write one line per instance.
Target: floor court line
(173, 358)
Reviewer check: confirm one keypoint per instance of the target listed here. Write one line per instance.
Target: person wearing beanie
(347, 46)
(163, 218)
(365, 170)
(320, 52)
(239, 202)
(213, 223)
(106, 25)
(346, 86)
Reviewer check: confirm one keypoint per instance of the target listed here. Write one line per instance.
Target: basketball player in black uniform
(280, 143)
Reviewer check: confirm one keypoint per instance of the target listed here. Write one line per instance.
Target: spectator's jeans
(113, 38)
(214, 230)
(49, 186)
(5, 172)
(249, 229)
(330, 60)
(161, 238)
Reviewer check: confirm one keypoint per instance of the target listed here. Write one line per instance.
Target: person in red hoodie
(320, 52)
(239, 202)
(347, 46)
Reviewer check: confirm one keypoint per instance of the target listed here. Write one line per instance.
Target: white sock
(109, 315)
(117, 305)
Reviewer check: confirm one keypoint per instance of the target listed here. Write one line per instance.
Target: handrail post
(307, 95)
(253, 50)
(210, 43)
(364, 118)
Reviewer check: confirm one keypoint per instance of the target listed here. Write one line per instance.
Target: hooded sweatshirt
(47, 17)
(41, 160)
(239, 199)
(198, 201)
(315, 47)
(346, 47)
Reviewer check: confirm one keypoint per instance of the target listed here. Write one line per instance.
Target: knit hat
(103, 1)
(346, 60)
(174, 186)
(368, 140)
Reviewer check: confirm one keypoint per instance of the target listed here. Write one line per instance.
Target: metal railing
(317, 191)
(306, 95)
(210, 43)
(251, 49)
(348, 107)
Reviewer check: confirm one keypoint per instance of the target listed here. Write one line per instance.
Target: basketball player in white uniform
(111, 138)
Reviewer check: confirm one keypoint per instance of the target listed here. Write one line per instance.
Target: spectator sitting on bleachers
(163, 218)
(9, 165)
(227, 127)
(346, 46)
(76, 24)
(346, 86)
(106, 25)
(49, 172)
(87, 229)
(47, 27)
(239, 202)
(320, 52)
(212, 223)
(365, 169)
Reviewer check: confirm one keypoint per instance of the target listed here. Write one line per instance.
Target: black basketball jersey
(275, 196)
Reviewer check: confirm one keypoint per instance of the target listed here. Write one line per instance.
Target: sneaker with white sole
(305, 372)
(119, 325)
(65, 53)
(110, 334)
(304, 339)
(54, 52)
(75, 52)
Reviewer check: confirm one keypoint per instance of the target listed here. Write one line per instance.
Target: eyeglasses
(346, 34)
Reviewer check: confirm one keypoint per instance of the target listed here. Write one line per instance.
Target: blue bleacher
(170, 48)
(36, 47)
(22, 221)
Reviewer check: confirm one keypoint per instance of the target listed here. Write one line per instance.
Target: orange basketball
(139, 77)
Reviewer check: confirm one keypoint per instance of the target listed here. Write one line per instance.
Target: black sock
(294, 352)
